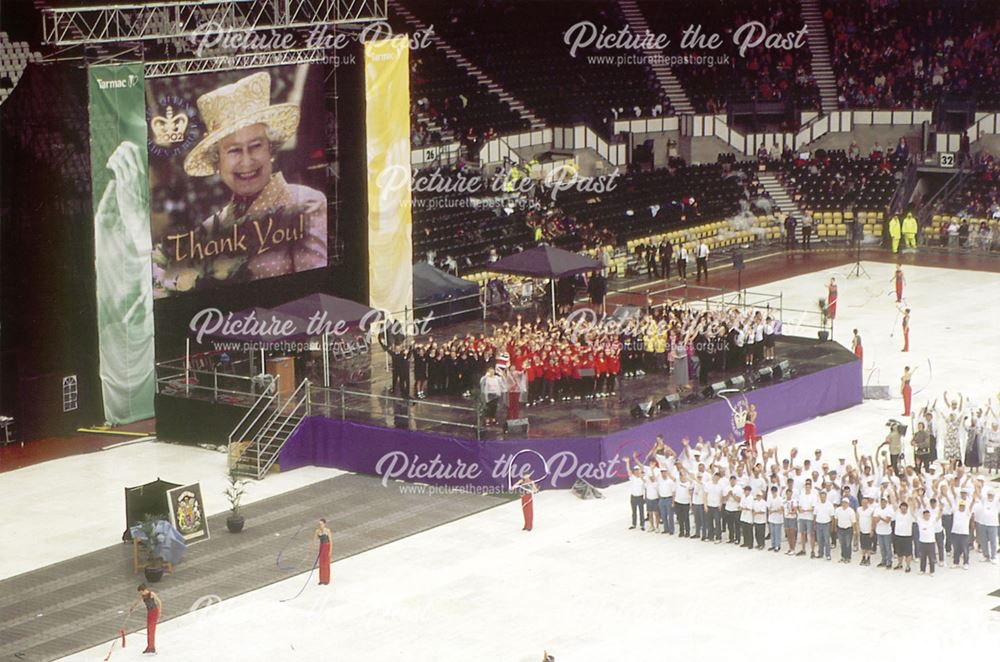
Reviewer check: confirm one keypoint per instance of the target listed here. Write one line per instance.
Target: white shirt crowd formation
(867, 506)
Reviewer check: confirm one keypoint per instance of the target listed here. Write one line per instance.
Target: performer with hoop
(831, 299)
(899, 281)
(527, 488)
(856, 346)
(153, 607)
(906, 329)
(906, 390)
(325, 538)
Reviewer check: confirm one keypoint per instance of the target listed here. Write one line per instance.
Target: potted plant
(823, 334)
(151, 548)
(234, 492)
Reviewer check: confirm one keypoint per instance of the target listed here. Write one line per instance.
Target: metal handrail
(368, 394)
(261, 447)
(269, 394)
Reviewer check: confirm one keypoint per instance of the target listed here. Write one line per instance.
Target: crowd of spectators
(979, 198)
(762, 75)
(896, 54)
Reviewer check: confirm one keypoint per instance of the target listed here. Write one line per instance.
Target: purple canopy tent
(545, 262)
(326, 308)
(329, 314)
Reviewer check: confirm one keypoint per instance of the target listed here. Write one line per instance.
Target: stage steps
(819, 47)
(257, 440)
(664, 75)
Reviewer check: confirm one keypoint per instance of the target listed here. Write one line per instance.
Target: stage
(825, 378)
(560, 419)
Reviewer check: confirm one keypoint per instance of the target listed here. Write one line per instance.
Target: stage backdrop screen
(237, 176)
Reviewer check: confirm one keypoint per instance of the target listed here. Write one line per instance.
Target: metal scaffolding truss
(168, 20)
(196, 65)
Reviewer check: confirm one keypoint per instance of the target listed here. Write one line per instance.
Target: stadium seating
(764, 74)
(516, 44)
(454, 101)
(910, 54)
(14, 57)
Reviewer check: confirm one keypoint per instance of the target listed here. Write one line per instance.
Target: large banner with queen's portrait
(237, 169)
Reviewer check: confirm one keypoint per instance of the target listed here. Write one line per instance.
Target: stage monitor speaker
(713, 390)
(737, 382)
(783, 370)
(669, 403)
(518, 427)
(765, 374)
(643, 409)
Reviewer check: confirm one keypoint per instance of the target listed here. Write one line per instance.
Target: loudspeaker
(669, 403)
(736, 382)
(782, 370)
(518, 427)
(643, 409)
(765, 374)
(713, 390)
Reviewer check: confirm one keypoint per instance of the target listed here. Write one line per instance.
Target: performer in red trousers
(325, 538)
(859, 350)
(831, 299)
(750, 429)
(899, 283)
(906, 330)
(906, 390)
(153, 606)
(527, 488)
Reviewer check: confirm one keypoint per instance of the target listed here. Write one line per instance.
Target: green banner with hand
(120, 183)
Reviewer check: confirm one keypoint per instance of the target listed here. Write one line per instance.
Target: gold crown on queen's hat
(236, 106)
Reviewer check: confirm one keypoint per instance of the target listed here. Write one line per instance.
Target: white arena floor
(581, 585)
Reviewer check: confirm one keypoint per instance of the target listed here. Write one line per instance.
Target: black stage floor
(561, 419)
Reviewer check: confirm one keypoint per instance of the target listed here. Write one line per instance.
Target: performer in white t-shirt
(884, 516)
(806, 504)
(775, 518)
(926, 525)
(847, 529)
(866, 530)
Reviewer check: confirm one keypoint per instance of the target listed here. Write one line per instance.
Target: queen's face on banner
(245, 161)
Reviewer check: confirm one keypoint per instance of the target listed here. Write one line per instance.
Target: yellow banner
(390, 227)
